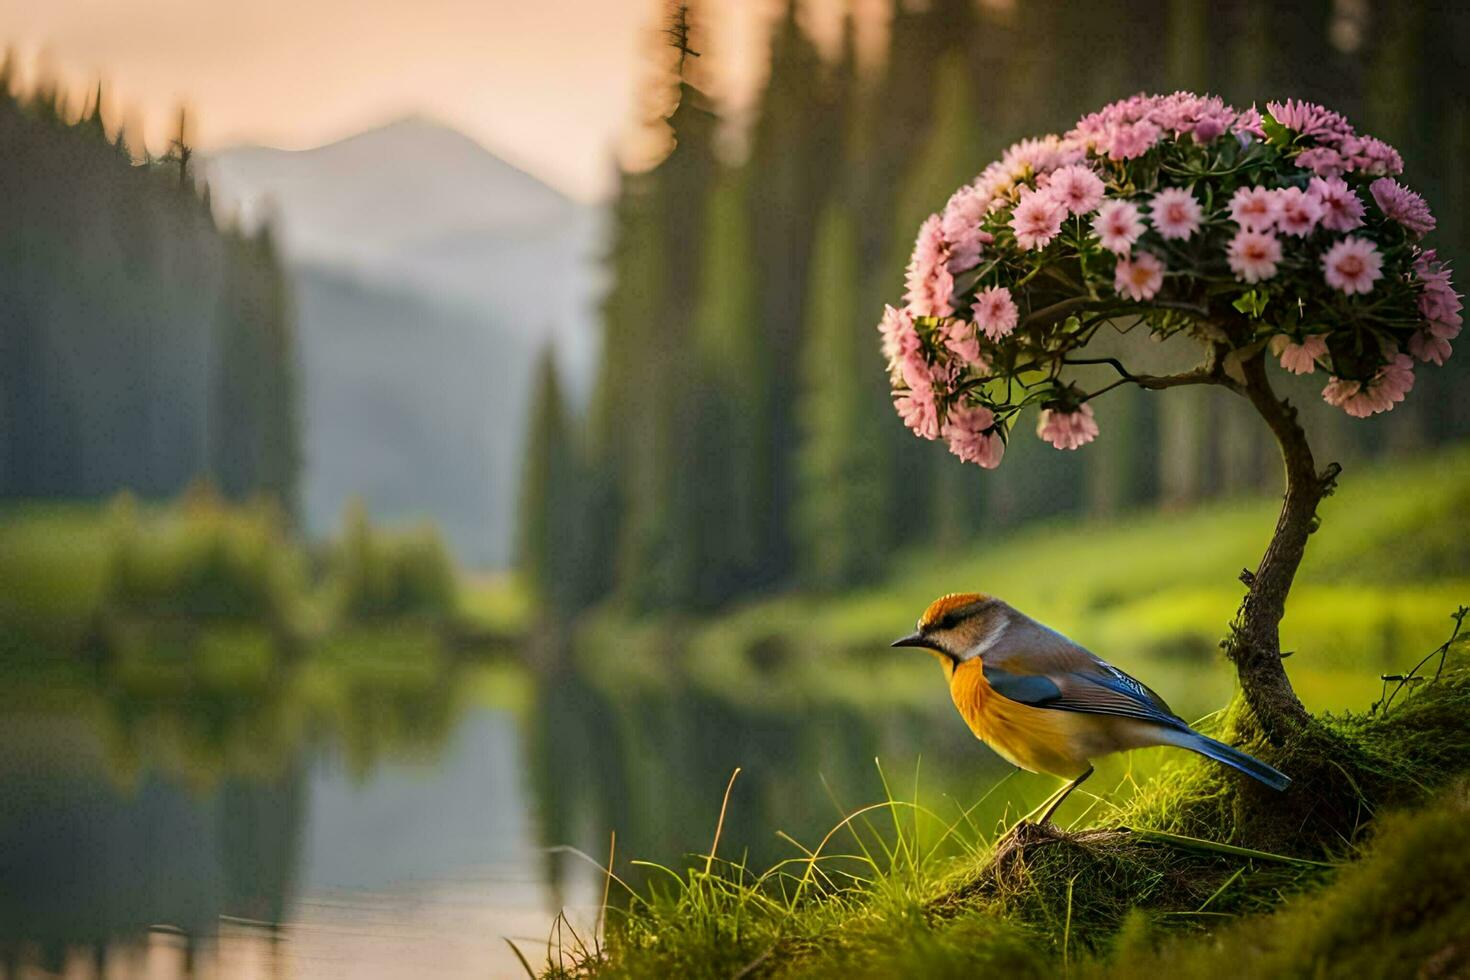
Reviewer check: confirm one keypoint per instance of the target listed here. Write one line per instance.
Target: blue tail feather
(1233, 757)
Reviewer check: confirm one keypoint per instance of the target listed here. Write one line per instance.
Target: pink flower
(1210, 128)
(1429, 348)
(1132, 140)
(960, 227)
(1402, 205)
(1322, 161)
(1444, 331)
(1297, 211)
(1067, 430)
(915, 372)
(1249, 124)
(1310, 120)
(1118, 226)
(1139, 277)
(1175, 213)
(1076, 188)
(1038, 156)
(1353, 265)
(1396, 378)
(995, 312)
(1254, 208)
(1388, 387)
(1037, 219)
(919, 412)
(959, 336)
(930, 283)
(1143, 118)
(1253, 255)
(1438, 301)
(973, 436)
(1341, 208)
(1370, 155)
(1299, 358)
(899, 336)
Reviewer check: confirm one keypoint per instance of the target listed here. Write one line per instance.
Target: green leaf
(1276, 134)
(1252, 303)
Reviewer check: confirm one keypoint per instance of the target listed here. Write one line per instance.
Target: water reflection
(89, 863)
(381, 812)
(654, 765)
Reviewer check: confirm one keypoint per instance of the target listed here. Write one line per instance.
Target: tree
(732, 403)
(1283, 235)
(795, 144)
(840, 506)
(645, 421)
(549, 509)
(143, 344)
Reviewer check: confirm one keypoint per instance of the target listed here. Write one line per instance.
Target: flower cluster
(1285, 232)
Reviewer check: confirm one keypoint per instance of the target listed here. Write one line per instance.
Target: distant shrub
(203, 560)
(377, 574)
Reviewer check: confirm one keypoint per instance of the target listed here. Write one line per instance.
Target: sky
(550, 85)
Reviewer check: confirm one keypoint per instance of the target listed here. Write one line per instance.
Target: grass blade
(1209, 846)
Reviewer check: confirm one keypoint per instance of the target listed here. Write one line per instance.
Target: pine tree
(795, 147)
(548, 505)
(732, 404)
(620, 398)
(143, 345)
(841, 508)
(657, 548)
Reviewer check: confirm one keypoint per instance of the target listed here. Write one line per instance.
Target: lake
(399, 815)
(407, 822)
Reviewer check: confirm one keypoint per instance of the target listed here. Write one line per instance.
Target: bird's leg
(1059, 798)
(1049, 804)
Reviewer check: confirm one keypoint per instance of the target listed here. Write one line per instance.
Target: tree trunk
(1254, 644)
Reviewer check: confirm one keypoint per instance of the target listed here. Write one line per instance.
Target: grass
(916, 886)
(1402, 904)
(201, 636)
(375, 574)
(202, 561)
(1153, 593)
(497, 603)
(173, 582)
(72, 571)
(54, 574)
(1370, 881)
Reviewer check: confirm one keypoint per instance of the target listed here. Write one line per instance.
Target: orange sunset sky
(550, 85)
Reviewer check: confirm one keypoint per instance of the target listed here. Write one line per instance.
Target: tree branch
(1055, 310)
(1206, 374)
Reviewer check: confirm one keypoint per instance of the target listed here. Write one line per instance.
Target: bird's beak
(913, 640)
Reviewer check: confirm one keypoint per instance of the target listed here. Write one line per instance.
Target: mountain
(429, 274)
(415, 406)
(368, 196)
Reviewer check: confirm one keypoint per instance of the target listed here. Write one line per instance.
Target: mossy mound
(1402, 909)
(1332, 888)
(1081, 888)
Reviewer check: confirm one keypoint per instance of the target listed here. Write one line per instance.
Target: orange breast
(1037, 739)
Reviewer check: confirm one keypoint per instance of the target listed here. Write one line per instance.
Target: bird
(1045, 703)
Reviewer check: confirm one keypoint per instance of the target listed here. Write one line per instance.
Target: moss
(1401, 909)
(1346, 769)
(1342, 891)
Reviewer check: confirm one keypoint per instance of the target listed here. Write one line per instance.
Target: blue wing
(1102, 689)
